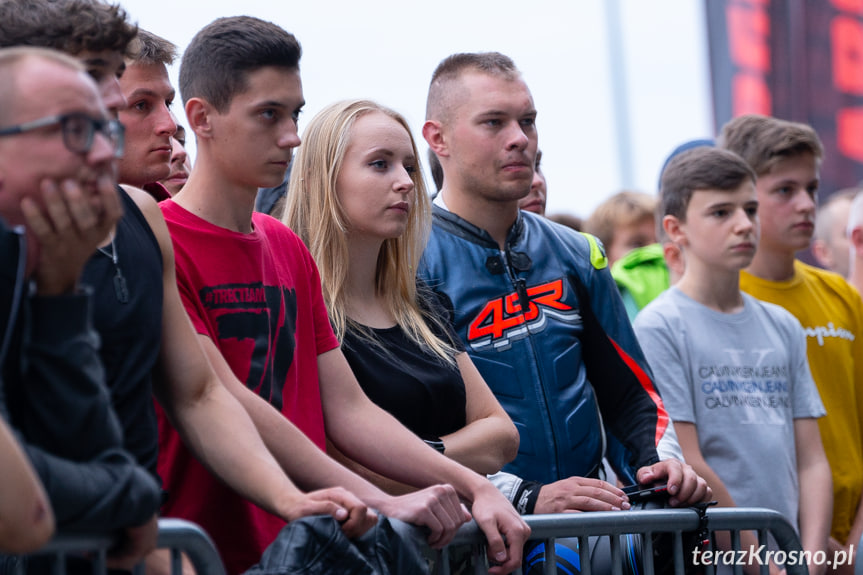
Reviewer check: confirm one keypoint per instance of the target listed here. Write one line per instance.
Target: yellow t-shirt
(831, 312)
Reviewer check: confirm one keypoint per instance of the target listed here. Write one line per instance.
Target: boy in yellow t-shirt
(786, 157)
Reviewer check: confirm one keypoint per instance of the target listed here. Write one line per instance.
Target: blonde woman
(357, 199)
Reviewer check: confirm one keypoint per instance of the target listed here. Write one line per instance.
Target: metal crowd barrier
(612, 525)
(185, 537)
(181, 537)
(858, 566)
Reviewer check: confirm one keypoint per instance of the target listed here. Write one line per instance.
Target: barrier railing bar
(550, 558)
(443, 563)
(182, 535)
(71, 541)
(583, 555)
(191, 538)
(616, 563)
(765, 569)
(176, 534)
(100, 562)
(176, 561)
(676, 521)
(479, 558)
(58, 563)
(678, 553)
(735, 544)
(858, 565)
(648, 552)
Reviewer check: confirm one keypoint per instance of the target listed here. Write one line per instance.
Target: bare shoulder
(153, 215)
(142, 199)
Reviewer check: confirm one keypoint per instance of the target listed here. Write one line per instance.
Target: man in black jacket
(58, 200)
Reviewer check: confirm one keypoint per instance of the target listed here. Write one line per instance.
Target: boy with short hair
(786, 157)
(731, 369)
(254, 296)
(623, 222)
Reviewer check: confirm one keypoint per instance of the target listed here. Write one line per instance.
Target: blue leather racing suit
(544, 323)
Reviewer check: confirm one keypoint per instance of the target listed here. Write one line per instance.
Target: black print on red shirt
(267, 316)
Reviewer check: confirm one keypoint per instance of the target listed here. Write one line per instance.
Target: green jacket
(641, 275)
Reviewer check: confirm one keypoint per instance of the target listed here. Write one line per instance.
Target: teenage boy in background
(702, 336)
(786, 157)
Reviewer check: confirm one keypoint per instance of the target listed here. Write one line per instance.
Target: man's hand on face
(68, 226)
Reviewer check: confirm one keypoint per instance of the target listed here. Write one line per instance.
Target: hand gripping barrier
(613, 525)
(181, 537)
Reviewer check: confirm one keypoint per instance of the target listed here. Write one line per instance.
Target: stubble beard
(496, 191)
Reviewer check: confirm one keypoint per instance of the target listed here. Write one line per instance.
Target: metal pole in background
(619, 92)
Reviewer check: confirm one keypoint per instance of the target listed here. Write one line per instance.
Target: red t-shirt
(258, 297)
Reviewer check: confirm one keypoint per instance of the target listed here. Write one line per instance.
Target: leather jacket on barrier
(544, 323)
(316, 545)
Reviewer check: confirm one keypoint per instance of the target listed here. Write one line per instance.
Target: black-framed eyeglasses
(79, 131)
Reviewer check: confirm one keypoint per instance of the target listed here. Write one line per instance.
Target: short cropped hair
(620, 210)
(70, 26)
(825, 217)
(702, 168)
(148, 48)
(453, 67)
(13, 58)
(220, 57)
(763, 141)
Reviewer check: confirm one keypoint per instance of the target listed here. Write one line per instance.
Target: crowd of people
(353, 375)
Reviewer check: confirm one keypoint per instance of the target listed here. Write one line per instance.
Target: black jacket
(52, 392)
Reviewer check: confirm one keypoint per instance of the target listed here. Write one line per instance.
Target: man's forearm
(359, 435)
(308, 466)
(816, 507)
(235, 452)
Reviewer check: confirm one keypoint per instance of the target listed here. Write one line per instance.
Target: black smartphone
(639, 493)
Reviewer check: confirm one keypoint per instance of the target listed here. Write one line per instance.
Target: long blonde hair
(313, 212)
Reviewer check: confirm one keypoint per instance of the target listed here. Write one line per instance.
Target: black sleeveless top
(419, 389)
(131, 332)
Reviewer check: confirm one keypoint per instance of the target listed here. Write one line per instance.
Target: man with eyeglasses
(57, 152)
(79, 131)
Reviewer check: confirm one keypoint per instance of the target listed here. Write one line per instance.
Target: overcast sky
(387, 50)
